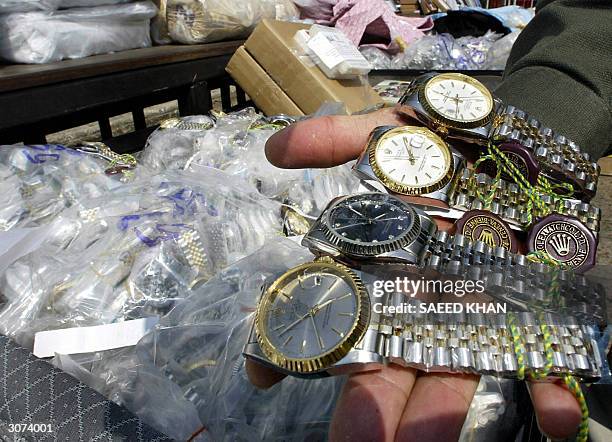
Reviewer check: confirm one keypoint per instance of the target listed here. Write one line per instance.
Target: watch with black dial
(459, 107)
(317, 319)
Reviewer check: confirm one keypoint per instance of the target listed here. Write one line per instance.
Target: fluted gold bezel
(405, 189)
(327, 359)
(446, 121)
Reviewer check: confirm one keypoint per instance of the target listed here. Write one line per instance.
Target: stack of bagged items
(44, 31)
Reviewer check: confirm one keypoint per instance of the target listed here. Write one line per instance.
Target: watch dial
(413, 158)
(370, 219)
(311, 312)
(459, 98)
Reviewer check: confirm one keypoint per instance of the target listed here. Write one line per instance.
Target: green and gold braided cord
(519, 350)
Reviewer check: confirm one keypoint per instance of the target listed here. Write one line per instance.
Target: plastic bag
(134, 252)
(445, 52)
(27, 5)
(498, 53)
(205, 21)
(378, 58)
(43, 37)
(64, 4)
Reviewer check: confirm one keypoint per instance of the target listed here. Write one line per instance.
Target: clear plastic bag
(39, 182)
(498, 53)
(44, 37)
(443, 51)
(378, 58)
(205, 21)
(134, 252)
(7, 6)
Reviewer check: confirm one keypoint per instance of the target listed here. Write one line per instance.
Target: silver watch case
(356, 360)
(317, 240)
(411, 106)
(363, 170)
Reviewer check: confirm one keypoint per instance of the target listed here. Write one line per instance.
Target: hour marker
(345, 314)
(452, 84)
(403, 178)
(429, 147)
(338, 331)
(435, 156)
(287, 341)
(416, 179)
(435, 167)
(391, 171)
(427, 175)
(463, 86)
(473, 114)
(278, 328)
(394, 142)
(303, 346)
(473, 92)
(286, 295)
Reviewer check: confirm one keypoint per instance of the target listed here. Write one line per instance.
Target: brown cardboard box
(264, 92)
(271, 44)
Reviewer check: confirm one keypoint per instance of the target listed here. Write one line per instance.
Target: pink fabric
(357, 18)
(374, 17)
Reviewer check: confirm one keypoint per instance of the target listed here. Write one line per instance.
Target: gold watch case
(441, 120)
(327, 359)
(401, 188)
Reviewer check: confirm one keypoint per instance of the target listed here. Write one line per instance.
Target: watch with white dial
(317, 319)
(459, 107)
(414, 161)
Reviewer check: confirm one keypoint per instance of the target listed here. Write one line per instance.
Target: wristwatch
(414, 161)
(318, 318)
(459, 107)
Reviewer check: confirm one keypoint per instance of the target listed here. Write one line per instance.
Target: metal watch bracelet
(560, 158)
(483, 344)
(511, 204)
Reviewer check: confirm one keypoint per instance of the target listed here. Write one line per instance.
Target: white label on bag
(77, 340)
(333, 48)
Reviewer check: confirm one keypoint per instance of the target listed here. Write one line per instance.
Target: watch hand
(294, 323)
(314, 325)
(379, 216)
(358, 213)
(352, 225)
(409, 151)
(457, 112)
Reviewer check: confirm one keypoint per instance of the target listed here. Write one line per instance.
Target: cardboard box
(265, 93)
(272, 45)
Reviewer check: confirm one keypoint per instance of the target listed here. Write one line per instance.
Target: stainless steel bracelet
(560, 158)
(510, 203)
(483, 344)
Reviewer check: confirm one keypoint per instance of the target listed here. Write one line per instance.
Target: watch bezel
(354, 248)
(446, 121)
(405, 189)
(340, 350)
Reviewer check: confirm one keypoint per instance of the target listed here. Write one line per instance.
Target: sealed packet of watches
(334, 53)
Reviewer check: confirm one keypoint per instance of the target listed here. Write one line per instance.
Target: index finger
(326, 141)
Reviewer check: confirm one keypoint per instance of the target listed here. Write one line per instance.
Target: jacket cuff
(561, 103)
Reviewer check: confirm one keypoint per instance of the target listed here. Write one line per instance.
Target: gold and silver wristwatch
(318, 318)
(414, 161)
(459, 107)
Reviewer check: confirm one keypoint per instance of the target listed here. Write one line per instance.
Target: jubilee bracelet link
(559, 157)
(482, 344)
(513, 205)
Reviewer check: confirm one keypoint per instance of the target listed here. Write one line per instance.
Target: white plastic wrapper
(43, 37)
(205, 21)
(28, 5)
(50, 5)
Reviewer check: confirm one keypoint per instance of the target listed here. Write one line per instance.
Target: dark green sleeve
(560, 71)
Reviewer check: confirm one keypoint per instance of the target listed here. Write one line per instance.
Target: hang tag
(77, 340)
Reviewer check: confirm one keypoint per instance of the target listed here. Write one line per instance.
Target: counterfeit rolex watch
(318, 319)
(415, 161)
(459, 107)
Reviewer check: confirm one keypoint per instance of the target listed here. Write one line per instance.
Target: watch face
(412, 160)
(309, 313)
(370, 219)
(458, 98)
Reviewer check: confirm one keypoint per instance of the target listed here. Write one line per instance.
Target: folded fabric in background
(48, 36)
(366, 22)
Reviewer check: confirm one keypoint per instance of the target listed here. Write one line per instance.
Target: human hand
(395, 403)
